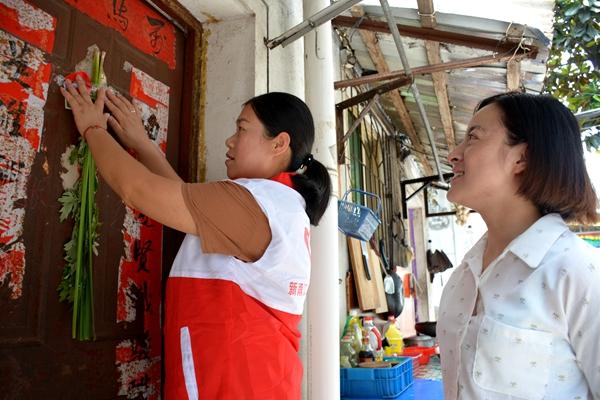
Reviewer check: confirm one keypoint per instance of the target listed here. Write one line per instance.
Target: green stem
(82, 287)
(80, 239)
(96, 68)
(90, 243)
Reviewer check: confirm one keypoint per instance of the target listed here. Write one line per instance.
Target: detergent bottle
(393, 338)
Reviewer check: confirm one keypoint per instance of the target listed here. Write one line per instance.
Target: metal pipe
(324, 15)
(267, 17)
(588, 114)
(398, 40)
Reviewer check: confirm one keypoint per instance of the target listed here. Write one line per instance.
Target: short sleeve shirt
(228, 219)
(535, 330)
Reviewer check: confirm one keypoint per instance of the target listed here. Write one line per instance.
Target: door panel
(38, 358)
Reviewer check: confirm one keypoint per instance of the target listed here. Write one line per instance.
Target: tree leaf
(584, 16)
(572, 10)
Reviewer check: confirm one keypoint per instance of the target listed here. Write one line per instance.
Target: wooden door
(41, 41)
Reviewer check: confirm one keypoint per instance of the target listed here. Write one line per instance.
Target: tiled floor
(423, 389)
(431, 370)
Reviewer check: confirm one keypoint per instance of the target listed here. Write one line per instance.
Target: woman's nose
(228, 141)
(454, 155)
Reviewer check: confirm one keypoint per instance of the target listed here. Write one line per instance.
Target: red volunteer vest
(231, 328)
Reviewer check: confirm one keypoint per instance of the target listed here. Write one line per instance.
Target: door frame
(193, 167)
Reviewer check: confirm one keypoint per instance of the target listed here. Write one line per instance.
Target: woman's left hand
(85, 112)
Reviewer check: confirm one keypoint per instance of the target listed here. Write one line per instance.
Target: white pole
(322, 342)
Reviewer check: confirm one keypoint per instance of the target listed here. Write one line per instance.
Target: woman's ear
(521, 162)
(281, 143)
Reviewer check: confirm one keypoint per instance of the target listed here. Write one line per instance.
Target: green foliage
(573, 75)
(78, 203)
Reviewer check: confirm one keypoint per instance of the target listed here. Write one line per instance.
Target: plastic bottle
(372, 332)
(348, 356)
(366, 352)
(390, 320)
(354, 330)
(393, 338)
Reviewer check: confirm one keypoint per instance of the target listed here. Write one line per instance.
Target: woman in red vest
(236, 289)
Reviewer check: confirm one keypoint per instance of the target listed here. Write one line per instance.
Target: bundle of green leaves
(79, 203)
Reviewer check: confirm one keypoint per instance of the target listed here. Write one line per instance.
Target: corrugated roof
(465, 87)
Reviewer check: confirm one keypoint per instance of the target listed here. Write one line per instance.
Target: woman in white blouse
(519, 317)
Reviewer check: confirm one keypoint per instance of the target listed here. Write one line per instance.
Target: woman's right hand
(126, 121)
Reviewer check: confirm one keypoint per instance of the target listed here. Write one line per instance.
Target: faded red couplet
(143, 27)
(28, 23)
(140, 270)
(24, 81)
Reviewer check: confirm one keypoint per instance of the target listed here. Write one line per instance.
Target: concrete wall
(230, 74)
(239, 67)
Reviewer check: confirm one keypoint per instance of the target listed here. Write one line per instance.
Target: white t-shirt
(528, 327)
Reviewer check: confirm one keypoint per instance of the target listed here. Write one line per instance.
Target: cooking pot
(419, 340)
(426, 328)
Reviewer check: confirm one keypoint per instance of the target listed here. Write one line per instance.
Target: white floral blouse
(529, 326)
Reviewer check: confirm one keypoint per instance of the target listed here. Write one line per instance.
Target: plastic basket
(356, 220)
(423, 354)
(376, 382)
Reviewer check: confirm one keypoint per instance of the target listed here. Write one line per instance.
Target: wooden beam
(440, 79)
(379, 90)
(427, 13)
(371, 41)
(513, 75)
(436, 35)
(428, 69)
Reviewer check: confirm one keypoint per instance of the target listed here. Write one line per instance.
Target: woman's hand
(85, 112)
(126, 121)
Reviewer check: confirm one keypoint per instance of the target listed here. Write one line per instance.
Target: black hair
(284, 112)
(555, 178)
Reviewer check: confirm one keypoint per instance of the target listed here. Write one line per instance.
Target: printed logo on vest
(297, 289)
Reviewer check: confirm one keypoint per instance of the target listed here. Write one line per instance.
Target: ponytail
(315, 187)
(284, 112)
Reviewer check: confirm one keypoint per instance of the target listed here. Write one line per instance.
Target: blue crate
(421, 389)
(356, 220)
(380, 383)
